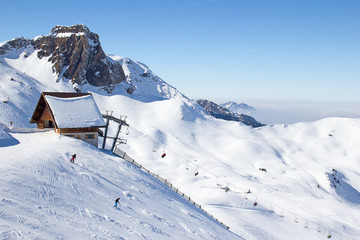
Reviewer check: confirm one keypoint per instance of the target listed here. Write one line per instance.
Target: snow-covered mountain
(297, 181)
(241, 108)
(69, 59)
(74, 52)
(220, 112)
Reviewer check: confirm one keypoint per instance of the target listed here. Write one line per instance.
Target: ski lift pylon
(154, 147)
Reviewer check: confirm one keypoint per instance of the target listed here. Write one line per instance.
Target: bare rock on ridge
(76, 54)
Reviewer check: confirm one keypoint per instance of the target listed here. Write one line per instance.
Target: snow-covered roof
(75, 112)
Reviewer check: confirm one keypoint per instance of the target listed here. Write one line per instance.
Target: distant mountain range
(224, 113)
(239, 107)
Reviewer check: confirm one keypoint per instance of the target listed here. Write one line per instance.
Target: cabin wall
(88, 135)
(46, 120)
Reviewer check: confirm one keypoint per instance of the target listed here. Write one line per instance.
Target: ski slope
(44, 196)
(310, 189)
(295, 195)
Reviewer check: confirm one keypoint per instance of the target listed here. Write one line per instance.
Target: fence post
(166, 182)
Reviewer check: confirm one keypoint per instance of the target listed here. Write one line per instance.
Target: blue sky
(228, 49)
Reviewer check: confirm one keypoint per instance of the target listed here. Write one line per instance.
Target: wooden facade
(44, 118)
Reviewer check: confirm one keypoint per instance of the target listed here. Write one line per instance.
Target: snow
(297, 158)
(43, 196)
(5, 138)
(67, 34)
(75, 112)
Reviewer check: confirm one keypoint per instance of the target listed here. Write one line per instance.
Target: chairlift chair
(187, 165)
(164, 154)
(306, 225)
(196, 171)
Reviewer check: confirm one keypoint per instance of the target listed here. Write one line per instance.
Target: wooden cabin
(70, 114)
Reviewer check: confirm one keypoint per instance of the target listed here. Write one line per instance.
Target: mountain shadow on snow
(6, 139)
(344, 190)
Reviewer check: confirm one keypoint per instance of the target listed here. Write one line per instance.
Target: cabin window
(78, 136)
(51, 125)
(89, 136)
(70, 135)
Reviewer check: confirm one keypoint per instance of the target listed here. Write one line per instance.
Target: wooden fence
(126, 157)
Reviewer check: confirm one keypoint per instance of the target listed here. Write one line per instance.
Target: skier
(164, 154)
(116, 202)
(73, 158)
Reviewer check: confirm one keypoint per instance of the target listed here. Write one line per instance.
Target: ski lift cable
(179, 156)
(219, 178)
(256, 197)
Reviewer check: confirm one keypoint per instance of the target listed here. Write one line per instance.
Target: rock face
(76, 54)
(220, 112)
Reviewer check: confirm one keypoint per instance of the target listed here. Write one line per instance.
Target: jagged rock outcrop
(220, 112)
(76, 54)
(16, 44)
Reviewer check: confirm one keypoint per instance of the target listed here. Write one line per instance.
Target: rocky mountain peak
(78, 30)
(76, 54)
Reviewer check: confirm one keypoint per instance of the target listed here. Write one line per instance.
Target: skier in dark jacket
(73, 158)
(116, 202)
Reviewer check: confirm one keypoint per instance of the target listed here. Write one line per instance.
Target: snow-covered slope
(142, 81)
(44, 196)
(22, 79)
(297, 159)
(304, 177)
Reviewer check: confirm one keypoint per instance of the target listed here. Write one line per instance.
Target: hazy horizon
(292, 111)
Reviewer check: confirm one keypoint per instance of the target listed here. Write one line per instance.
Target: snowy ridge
(143, 81)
